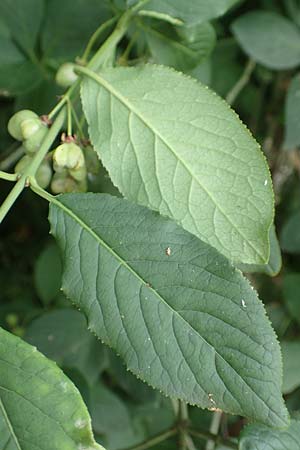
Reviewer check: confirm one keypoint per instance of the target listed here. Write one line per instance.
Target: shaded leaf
(39, 406)
(172, 145)
(62, 336)
(290, 234)
(291, 290)
(47, 274)
(182, 48)
(178, 313)
(292, 114)
(66, 34)
(291, 366)
(269, 39)
(23, 22)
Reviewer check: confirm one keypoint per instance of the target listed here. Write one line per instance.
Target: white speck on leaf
(168, 251)
(244, 303)
(266, 182)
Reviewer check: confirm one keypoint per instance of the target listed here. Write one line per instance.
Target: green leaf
(291, 286)
(190, 11)
(290, 234)
(183, 319)
(111, 419)
(23, 20)
(182, 48)
(272, 268)
(17, 74)
(291, 366)
(66, 34)
(269, 39)
(62, 336)
(171, 144)
(292, 113)
(39, 407)
(257, 437)
(47, 274)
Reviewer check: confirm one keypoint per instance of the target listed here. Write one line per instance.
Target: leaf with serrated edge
(171, 144)
(40, 408)
(183, 319)
(258, 437)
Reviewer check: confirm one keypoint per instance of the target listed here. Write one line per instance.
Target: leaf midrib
(98, 79)
(125, 264)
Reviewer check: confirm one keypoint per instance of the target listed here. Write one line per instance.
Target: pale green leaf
(291, 366)
(292, 114)
(269, 39)
(171, 144)
(183, 319)
(257, 437)
(190, 11)
(39, 406)
(182, 48)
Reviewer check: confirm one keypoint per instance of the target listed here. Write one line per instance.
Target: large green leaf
(292, 113)
(171, 144)
(269, 39)
(291, 288)
(39, 407)
(257, 437)
(190, 11)
(182, 48)
(178, 313)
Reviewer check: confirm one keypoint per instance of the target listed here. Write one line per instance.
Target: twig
(155, 440)
(241, 83)
(214, 429)
(217, 439)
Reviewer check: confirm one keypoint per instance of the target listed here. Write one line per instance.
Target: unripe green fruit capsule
(61, 184)
(23, 164)
(78, 174)
(44, 174)
(29, 127)
(65, 76)
(69, 156)
(14, 124)
(33, 143)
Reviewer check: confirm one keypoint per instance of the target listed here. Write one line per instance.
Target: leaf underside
(183, 319)
(171, 144)
(258, 437)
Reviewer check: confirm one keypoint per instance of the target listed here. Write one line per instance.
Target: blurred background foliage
(251, 57)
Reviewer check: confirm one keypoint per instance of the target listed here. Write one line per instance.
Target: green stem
(69, 119)
(241, 83)
(206, 435)
(12, 197)
(105, 52)
(155, 440)
(12, 158)
(104, 26)
(161, 16)
(65, 98)
(33, 166)
(8, 176)
(214, 429)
